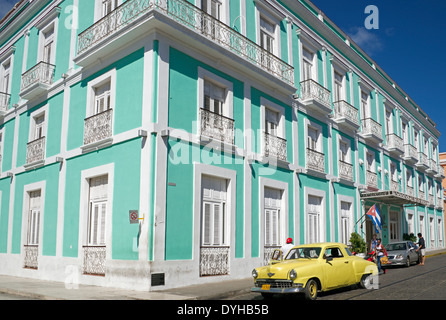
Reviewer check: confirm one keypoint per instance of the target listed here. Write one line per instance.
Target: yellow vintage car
(313, 268)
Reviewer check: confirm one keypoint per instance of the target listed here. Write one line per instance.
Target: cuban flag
(373, 213)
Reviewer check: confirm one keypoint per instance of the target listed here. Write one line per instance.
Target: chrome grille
(275, 283)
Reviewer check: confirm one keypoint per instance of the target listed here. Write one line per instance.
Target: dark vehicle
(402, 253)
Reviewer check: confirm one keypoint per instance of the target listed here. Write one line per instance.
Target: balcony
(433, 167)
(410, 153)
(345, 170)
(394, 185)
(98, 129)
(422, 163)
(274, 147)
(440, 172)
(371, 130)
(315, 97)
(37, 80)
(409, 191)
(315, 160)
(395, 144)
(136, 18)
(216, 126)
(346, 115)
(371, 179)
(4, 103)
(35, 152)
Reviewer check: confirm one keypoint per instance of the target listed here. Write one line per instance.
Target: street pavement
(424, 278)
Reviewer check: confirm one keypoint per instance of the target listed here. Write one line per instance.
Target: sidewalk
(51, 290)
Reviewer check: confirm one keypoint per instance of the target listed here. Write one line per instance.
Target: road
(7, 296)
(417, 282)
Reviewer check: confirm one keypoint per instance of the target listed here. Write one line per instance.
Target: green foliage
(358, 243)
(409, 237)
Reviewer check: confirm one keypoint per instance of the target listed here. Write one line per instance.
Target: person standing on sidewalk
(286, 247)
(379, 250)
(422, 247)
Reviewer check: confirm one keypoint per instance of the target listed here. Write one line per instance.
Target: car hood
(396, 252)
(280, 270)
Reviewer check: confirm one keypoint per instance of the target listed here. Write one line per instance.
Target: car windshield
(304, 253)
(396, 246)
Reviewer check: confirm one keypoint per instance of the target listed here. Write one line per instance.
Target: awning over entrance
(393, 198)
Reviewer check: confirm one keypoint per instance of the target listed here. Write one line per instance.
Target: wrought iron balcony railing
(410, 152)
(345, 170)
(343, 109)
(274, 146)
(214, 261)
(315, 160)
(31, 256)
(371, 127)
(41, 73)
(94, 260)
(98, 127)
(395, 143)
(35, 150)
(4, 101)
(372, 179)
(311, 90)
(422, 160)
(191, 17)
(216, 126)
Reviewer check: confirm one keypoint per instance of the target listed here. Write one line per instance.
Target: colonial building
(150, 144)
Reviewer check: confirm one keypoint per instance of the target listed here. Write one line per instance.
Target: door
(338, 268)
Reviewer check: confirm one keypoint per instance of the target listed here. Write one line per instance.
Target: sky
(409, 45)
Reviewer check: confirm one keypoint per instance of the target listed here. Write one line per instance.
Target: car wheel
(311, 290)
(366, 281)
(408, 262)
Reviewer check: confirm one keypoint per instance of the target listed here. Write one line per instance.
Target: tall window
(271, 122)
(6, 75)
(97, 211)
(364, 105)
(48, 45)
(389, 122)
(214, 97)
(345, 221)
(102, 98)
(33, 218)
(405, 133)
(337, 92)
(314, 211)
(212, 7)
(39, 123)
(108, 6)
(273, 216)
(267, 35)
(394, 230)
(307, 67)
(313, 139)
(344, 148)
(214, 216)
(370, 163)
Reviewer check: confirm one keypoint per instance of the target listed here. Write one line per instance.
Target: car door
(413, 254)
(337, 268)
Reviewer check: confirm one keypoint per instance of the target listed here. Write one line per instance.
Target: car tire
(311, 290)
(407, 262)
(366, 281)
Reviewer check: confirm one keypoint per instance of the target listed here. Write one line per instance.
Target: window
(345, 222)
(405, 133)
(214, 216)
(420, 183)
(410, 224)
(271, 122)
(307, 64)
(33, 218)
(416, 135)
(212, 7)
(333, 253)
(48, 45)
(108, 6)
(5, 77)
(102, 101)
(314, 211)
(393, 172)
(267, 34)
(364, 105)
(440, 233)
(97, 210)
(338, 92)
(409, 177)
(344, 151)
(213, 97)
(389, 126)
(273, 228)
(370, 161)
(394, 225)
(313, 139)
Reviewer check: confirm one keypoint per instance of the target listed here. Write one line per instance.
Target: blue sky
(409, 46)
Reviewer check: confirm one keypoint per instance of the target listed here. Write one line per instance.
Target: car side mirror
(328, 259)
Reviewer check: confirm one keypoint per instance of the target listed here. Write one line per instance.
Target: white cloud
(367, 40)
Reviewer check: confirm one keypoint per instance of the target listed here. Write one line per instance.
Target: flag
(373, 213)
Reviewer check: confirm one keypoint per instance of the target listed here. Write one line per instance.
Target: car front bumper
(277, 286)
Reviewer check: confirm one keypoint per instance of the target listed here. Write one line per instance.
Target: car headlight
(399, 256)
(254, 273)
(293, 274)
